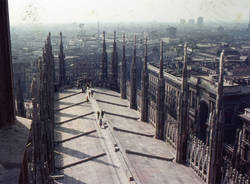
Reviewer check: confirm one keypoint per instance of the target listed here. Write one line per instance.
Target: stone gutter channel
(122, 170)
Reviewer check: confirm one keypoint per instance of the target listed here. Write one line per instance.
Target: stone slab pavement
(13, 141)
(149, 170)
(97, 171)
(116, 166)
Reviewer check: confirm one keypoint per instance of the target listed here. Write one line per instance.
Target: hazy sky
(65, 11)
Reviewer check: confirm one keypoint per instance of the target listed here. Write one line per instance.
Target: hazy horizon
(119, 11)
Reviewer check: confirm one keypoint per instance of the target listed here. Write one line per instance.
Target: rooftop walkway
(122, 151)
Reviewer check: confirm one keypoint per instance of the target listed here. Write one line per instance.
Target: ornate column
(217, 132)
(104, 64)
(133, 80)
(160, 100)
(114, 66)
(123, 73)
(182, 110)
(144, 87)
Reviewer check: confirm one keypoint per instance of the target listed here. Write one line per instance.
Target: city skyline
(122, 92)
(43, 12)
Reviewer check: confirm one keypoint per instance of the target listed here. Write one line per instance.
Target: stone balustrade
(197, 156)
(171, 134)
(232, 176)
(152, 112)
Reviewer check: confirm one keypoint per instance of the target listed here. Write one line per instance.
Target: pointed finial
(49, 35)
(104, 44)
(161, 59)
(103, 35)
(123, 48)
(48, 43)
(61, 38)
(114, 44)
(185, 59)
(146, 53)
(134, 49)
(135, 42)
(123, 36)
(221, 61)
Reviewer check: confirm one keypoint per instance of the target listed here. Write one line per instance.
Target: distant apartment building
(200, 21)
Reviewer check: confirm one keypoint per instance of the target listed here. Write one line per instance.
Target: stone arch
(203, 119)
